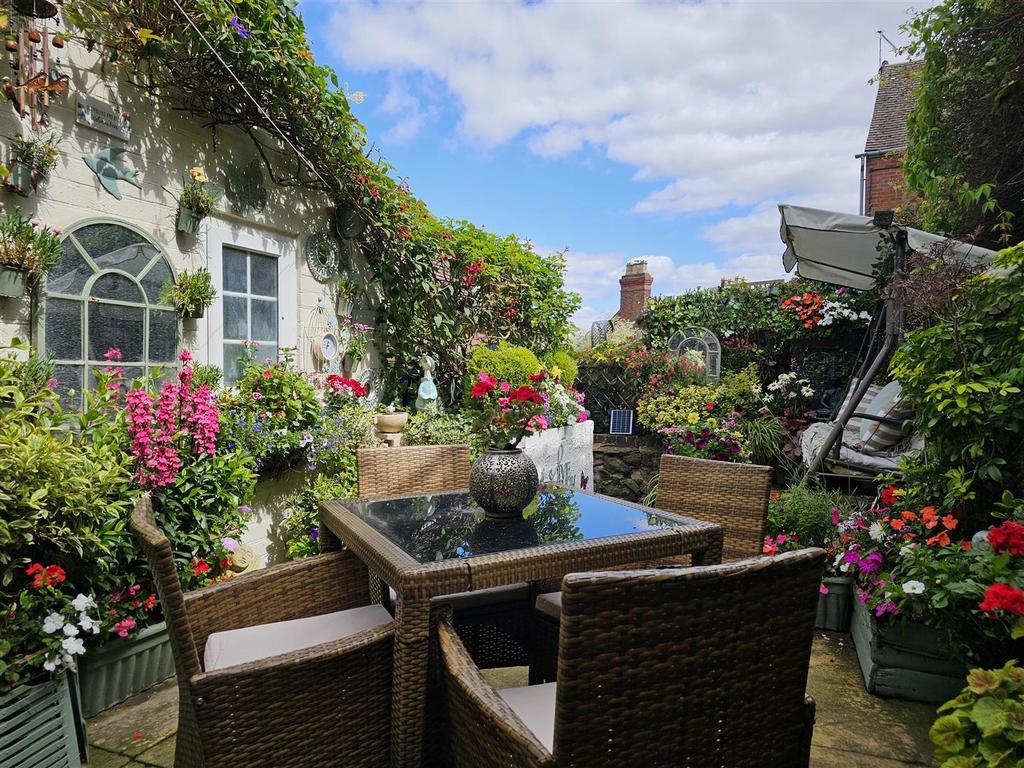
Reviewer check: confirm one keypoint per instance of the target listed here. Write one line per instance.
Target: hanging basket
(13, 282)
(188, 221)
(191, 314)
(21, 178)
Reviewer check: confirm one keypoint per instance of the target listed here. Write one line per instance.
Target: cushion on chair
(876, 435)
(550, 604)
(240, 646)
(478, 597)
(535, 705)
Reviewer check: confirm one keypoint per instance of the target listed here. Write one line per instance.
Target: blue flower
(241, 30)
(314, 533)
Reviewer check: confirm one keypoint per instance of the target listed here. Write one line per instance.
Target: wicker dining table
(428, 546)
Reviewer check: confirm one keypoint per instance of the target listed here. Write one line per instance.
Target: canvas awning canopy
(841, 248)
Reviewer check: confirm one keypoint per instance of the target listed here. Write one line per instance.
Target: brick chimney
(634, 290)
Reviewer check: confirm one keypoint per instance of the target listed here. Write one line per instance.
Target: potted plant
(194, 203)
(32, 159)
(44, 636)
(391, 420)
(504, 479)
(190, 294)
(28, 250)
(348, 291)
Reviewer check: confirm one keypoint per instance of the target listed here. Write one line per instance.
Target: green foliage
(32, 374)
(443, 284)
(564, 363)
(659, 411)
(506, 363)
(739, 391)
(963, 378)
(207, 502)
(764, 435)
(37, 152)
(806, 511)
(984, 726)
(965, 137)
(190, 293)
(28, 244)
(436, 427)
(194, 195)
(64, 500)
(301, 527)
(206, 376)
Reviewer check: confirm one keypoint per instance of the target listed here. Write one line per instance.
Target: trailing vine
(442, 285)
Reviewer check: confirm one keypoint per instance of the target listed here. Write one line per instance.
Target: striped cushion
(876, 435)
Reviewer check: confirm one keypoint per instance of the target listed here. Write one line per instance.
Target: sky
(618, 130)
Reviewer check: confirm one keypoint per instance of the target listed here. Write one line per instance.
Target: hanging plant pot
(188, 221)
(191, 314)
(342, 305)
(13, 282)
(21, 178)
(349, 223)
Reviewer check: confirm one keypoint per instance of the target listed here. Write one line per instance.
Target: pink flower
(822, 589)
(113, 354)
(257, 395)
(123, 627)
(505, 387)
(835, 516)
(185, 356)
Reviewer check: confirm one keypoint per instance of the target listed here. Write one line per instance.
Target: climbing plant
(441, 283)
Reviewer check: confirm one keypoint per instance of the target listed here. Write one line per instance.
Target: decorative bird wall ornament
(109, 171)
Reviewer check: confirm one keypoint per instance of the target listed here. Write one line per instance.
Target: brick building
(881, 162)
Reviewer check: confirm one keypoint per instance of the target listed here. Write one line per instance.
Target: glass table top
(451, 525)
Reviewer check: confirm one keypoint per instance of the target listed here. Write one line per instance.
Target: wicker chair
(493, 623)
(412, 469)
(257, 693)
(695, 667)
(732, 495)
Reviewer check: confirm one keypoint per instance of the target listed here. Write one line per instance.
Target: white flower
(88, 623)
(844, 567)
(913, 587)
(73, 646)
(53, 623)
(876, 531)
(807, 392)
(906, 550)
(50, 664)
(83, 603)
(70, 630)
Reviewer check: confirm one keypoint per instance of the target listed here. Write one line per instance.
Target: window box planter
(834, 608)
(37, 726)
(124, 667)
(188, 221)
(13, 282)
(904, 659)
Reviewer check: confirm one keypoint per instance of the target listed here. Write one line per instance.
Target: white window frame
(279, 246)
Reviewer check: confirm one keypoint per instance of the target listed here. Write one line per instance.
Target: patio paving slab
(853, 730)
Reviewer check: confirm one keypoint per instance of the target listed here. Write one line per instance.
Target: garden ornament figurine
(426, 395)
(109, 171)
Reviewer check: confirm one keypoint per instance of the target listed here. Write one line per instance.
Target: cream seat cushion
(240, 646)
(550, 604)
(535, 706)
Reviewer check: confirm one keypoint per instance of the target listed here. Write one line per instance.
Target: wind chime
(30, 44)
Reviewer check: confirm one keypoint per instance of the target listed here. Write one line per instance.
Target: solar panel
(621, 423)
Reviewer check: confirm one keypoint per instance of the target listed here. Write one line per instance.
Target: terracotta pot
(389, 423)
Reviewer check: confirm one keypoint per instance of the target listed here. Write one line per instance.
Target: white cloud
(722, 105)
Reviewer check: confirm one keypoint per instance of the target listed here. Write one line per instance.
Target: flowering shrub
(788, 399)
(813, 310)
(355, 338)
(28, 244)
(339, 390)
(707, 438)
(46, 628)
(562, 405)
(985, 724)
(126, 609)
(268, 411)
(506, 415)
(179, 420)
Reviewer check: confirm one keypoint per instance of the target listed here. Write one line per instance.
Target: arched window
(105, 293)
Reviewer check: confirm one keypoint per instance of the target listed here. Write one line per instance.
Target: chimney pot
(634, 290)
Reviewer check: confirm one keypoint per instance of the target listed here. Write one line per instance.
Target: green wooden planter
(904, 659)
(124, 667)
(834, 608)
(37, 726)
(13, 282)
(188, 221)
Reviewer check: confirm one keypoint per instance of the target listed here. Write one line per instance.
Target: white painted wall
(164, 145)
(565, 455)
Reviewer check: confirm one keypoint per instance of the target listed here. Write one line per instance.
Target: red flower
(150, 601)
(50, 576)
(889, 495)
(929, 517)
(950, 522)
(709, 406)
(199, 567)
(267, 373)
(942, 539)
(483, 385)
(1003, 597)
(538, 376)
(525, 394)
(1007, 537)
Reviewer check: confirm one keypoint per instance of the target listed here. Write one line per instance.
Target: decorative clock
(322, 256)
(328, 349)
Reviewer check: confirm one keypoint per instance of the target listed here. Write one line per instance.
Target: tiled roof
(895, 99)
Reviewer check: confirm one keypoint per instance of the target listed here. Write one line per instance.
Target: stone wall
(624, 465)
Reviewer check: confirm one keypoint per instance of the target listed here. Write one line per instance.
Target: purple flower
(245, 509)
(851, 557)
(229, 544)
(241, 30)
(871, 563)
(314, 533)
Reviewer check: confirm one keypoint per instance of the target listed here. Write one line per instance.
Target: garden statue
(426, 394)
